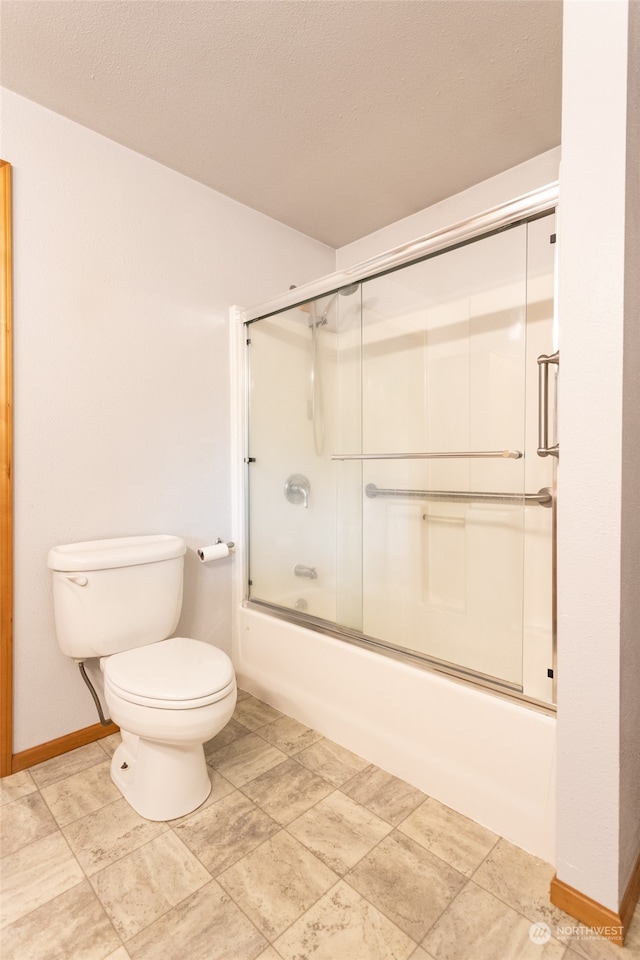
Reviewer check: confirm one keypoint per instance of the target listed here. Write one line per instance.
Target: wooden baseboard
(611, 925)
(631, 897)
(54, 748)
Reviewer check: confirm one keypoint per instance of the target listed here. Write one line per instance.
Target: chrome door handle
(544, 450)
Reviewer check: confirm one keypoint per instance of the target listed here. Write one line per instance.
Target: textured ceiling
(334, 117)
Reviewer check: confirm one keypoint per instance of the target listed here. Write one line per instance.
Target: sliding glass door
(395, 491)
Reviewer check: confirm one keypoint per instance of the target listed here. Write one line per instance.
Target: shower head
(347, 291)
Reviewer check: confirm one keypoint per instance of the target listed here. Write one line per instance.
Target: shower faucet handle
(300, 570)
(297, 489)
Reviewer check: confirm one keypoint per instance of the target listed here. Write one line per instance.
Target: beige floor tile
(111, 744)
(219, 788)
(101, 838)
(15, 786)
(59, 768)
(480, 926)
(81, 794)
(276, 883)
(338, 810)
(36, 874)
(407, 883)
(74, 926)
(385, 795)
(144, 885)
(221, 834)
(595, 947)
(333, 762)
(289, 735)
(232, 731)
(252, 713)
(339, 831)
(23, 821)
(286, 791)
(343, 926)
(454, 838)
(522, 881)
(205, 926)
(245, 759)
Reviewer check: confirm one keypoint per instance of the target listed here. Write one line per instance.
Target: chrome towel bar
(466, 454)
(544, 497)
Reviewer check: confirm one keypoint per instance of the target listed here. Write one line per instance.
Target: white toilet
(118, 600)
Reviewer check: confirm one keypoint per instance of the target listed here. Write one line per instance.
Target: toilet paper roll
(214, 552)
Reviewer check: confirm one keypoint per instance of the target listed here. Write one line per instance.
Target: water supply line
(96, 699)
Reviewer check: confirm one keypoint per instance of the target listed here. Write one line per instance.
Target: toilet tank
(114, 595)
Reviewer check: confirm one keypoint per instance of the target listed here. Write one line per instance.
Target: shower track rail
(543, 497)
(450, 455)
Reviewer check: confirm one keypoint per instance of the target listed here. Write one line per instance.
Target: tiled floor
(303, 850)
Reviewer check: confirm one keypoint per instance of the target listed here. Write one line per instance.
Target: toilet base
(161, 781)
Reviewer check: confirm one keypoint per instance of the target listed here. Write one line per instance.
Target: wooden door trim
(6, 478)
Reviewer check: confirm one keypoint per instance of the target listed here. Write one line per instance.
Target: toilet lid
(175, 670)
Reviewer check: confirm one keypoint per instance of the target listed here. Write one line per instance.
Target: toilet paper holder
(216, 551)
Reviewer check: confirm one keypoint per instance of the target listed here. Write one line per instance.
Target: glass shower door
(304, 402)
(446, 524)
(395, 493)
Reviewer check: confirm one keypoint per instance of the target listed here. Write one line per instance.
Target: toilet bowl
(168, 699)
(120, 600)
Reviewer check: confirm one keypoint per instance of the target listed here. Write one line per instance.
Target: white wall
(124, 272)
(598, 661)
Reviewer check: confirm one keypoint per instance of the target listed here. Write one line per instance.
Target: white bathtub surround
(439, 355)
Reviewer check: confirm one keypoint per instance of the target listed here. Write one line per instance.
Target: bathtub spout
(301, 571)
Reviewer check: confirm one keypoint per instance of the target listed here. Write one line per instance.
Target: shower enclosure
(401, 458)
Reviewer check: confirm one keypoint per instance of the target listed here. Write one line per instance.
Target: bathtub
(490, 758)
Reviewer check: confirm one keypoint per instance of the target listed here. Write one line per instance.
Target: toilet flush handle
(80, 580)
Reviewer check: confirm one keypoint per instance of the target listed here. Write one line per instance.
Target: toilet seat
(174, 674)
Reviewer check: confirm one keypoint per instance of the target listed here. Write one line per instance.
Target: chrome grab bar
(485, 454)
(544, 497)
(544, 450)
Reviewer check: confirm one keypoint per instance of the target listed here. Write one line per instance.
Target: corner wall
(124, 273)
(630, 620)
(598, 532)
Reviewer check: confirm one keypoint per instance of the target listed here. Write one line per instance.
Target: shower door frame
(523, 209)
